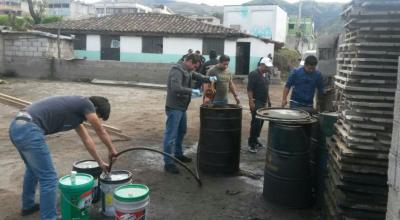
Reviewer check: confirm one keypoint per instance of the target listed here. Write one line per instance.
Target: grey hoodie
(179, 83)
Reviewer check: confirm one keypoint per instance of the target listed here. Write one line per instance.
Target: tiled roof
(143, 24)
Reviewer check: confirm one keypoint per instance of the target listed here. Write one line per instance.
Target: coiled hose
(194, 174)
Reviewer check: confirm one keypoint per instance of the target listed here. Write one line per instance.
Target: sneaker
(259, 145)
(184, 159)
(171, 168)
(252, 149)
(35, 208)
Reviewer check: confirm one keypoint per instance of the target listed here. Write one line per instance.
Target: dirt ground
(139, 113)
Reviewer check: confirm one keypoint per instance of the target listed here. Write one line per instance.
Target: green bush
(286, 59)
(51, 19)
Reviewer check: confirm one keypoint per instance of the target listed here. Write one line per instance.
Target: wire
(195, 175)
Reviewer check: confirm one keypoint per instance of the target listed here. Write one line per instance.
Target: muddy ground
(139, 112)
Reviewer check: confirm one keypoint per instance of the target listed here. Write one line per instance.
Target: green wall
(90, 55)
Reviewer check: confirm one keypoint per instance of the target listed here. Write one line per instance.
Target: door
(242, 58)
(110, 47)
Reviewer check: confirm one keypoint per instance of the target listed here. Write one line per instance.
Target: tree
(37, 9)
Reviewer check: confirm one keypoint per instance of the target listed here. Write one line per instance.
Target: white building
(162, 9)
(158, 38)
(70, 9)
(113, 7)
(263, 21)
(206, 19)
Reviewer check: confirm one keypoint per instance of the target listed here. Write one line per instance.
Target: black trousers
(255, 124)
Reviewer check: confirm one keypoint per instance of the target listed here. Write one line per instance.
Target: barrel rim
(106, 181)
(84, 186)
(220, 107)
(131, 199)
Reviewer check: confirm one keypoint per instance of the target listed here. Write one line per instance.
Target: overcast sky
(238, 2)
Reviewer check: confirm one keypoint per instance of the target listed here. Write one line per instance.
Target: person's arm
(199, 77)
(176, 83)
(286, 90)
(250, 86)
(90, 146)
(252, 105)
(232, 89)
(284, 96)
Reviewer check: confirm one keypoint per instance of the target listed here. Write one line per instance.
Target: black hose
(195, 175)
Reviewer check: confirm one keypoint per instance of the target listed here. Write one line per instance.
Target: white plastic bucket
(131, 202)
(108, 184)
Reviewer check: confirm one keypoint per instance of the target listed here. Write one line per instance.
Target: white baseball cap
(266, 61)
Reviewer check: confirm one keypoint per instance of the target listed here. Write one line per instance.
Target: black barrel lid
(116, 177)
(284, 115)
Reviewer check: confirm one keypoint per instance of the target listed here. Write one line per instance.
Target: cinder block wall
(30, 45)
(393, 209)
(33, 56)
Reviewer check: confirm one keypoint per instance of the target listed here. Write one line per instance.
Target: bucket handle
(71, 204)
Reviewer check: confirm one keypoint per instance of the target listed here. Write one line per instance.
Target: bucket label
(138, 215)
(85, 200)
(109, 198)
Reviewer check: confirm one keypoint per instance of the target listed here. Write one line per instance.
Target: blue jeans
(175, 130)
(305, 107)
(30, 142)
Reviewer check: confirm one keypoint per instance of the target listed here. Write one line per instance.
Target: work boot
(259, 145)
(33, 209)
(184, 159)
(252, 148)
(171, 168)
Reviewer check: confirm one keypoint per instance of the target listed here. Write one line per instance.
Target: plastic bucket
(90, 167)
(76, 196)
(131, 201)
(108, 184)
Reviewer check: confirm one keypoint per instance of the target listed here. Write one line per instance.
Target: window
(65, 5)
(152, 44)
(216, 44)
(291, 26)
(80, 42)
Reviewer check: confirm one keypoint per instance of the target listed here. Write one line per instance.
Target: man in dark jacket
(179, 95)
(48, 116)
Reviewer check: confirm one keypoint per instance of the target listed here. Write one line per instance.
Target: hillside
(326, 15)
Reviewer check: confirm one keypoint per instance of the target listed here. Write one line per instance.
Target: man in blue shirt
(303, 81)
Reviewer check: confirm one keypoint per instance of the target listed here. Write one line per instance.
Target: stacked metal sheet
(366, 78)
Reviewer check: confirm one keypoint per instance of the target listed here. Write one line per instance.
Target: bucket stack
(366, 79)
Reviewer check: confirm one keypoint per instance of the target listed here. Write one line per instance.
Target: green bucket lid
(131, 193)
(83, 181)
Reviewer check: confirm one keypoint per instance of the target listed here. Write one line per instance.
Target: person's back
(60, 113)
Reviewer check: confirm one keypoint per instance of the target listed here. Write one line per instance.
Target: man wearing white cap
(258, 92)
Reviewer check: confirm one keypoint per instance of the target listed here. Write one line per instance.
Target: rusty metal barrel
(220, 138)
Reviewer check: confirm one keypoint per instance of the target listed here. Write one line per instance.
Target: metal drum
(220, 138)
(287, 179)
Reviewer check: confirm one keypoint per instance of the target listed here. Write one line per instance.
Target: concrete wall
(32, 67)
(267, 21)
(258, 49)
(281, 25)
(230, 50)
(17, 45)
(393, 208)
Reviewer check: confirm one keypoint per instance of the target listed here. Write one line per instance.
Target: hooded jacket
(179, 91)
